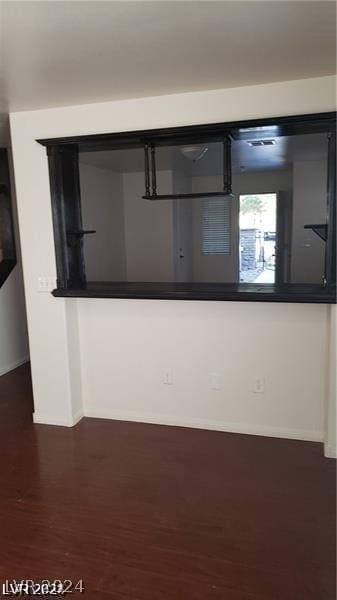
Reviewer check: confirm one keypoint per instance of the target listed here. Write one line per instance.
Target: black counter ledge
(246, 292)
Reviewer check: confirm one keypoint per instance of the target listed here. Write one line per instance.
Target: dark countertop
(249, 292)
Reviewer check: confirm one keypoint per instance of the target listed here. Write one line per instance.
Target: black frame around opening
(7, 238)
(63, 157)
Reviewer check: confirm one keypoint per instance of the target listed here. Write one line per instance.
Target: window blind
(216, 226)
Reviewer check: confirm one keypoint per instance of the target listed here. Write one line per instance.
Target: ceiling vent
(262, 143)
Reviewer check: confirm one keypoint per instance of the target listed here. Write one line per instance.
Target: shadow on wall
(13, 321)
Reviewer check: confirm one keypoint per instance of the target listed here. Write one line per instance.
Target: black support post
(67, 214)
(227, 166)
(147, 170)
(153, 170)
(330, 258)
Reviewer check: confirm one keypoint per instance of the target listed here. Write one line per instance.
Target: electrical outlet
(259, 385)
(46, 284)
(215, 380)
(167, 378)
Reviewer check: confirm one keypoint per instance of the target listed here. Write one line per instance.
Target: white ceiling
(61, 53)
(244, 157)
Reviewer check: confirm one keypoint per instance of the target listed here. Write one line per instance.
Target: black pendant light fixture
(195, 153)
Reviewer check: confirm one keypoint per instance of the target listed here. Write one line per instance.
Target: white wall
(127, 344)
(309, 206)
(190, 336)
(182, 226)
(103, 211)
(148, 230)
(263, 182)
(13, 326)
(112, 204)
(13, 322)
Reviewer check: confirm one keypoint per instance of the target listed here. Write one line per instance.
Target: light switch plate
(167, 377)
(259, 385)
(216, 381)
(46, 284)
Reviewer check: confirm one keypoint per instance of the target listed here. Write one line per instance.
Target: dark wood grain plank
(146, 512)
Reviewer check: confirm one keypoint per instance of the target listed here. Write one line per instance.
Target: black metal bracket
(321, 229)
(75, 236)
(151, 175)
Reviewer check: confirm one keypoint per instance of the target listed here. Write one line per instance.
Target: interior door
(183, 240)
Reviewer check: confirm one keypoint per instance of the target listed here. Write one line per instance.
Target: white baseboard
(57, 420)
(14, 365)
(244, 428)
(77, 417)
(294, 434)
(330, 451)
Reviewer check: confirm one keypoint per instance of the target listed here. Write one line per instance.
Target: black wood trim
(182, 196)
(227, 166)
(147, 171)
(314, 294)
(330, 254)
(288, 125)
(65, 190)
(153, 172)
(66, 210)
(7, 237)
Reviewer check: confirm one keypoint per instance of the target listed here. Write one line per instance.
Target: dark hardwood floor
(142, 512)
